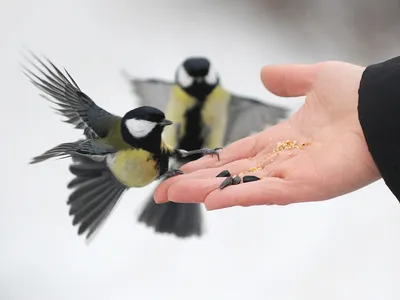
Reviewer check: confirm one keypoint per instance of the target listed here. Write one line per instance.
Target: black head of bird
(143, 126)
(197, 77)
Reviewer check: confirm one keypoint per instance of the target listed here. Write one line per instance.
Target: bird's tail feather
(181, 219)
(96, 193)
(63, 150)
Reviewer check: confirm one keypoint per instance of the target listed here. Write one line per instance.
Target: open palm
(317, 154)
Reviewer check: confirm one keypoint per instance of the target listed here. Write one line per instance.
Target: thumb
(289, 80)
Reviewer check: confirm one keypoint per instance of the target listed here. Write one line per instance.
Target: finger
(196, 190)
(266, 191)
(193, 190)
(242, 148)
(289, 80)
(161, 193)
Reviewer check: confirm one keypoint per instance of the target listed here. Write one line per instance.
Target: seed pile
(280, 146)
(288, 145)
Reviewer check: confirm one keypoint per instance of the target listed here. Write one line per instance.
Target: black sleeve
(379, 115)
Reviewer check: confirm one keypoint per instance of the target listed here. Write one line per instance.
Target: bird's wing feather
(97, 150)
(247, 116)
(96, 147)
(96, 193)
(72, 103)
(152, 92)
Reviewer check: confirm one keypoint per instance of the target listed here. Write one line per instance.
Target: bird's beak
(166, 122)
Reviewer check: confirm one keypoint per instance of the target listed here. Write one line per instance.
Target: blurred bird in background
(204, 115)
(116, 154)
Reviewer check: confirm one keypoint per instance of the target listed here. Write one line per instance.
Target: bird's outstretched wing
(72, 103)
(152, 92)
(247, 116)
(96, 149)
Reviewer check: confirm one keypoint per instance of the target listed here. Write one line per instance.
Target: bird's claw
(211, 151)
(173, 172)
(203, 151)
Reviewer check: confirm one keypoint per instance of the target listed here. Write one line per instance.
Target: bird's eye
(212, 77)
(183, 78)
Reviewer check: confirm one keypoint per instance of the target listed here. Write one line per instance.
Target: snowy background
(347, 248)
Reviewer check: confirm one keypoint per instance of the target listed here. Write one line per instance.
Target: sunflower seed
(249, 178)
(227, 182)
(236, 180)
(224, 173)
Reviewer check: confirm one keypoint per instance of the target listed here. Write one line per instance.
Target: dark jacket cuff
(379, 115)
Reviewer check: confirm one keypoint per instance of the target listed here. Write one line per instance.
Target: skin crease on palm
(335, 163)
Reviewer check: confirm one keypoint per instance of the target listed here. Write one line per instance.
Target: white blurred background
(346, 248)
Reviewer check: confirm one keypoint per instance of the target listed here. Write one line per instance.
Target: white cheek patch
(139, 128)
(183, 78)
(212, 77)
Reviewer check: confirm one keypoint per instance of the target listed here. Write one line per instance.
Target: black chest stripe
(193, 138)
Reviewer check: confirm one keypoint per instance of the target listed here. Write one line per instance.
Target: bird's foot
(204, 151)
(211, 152)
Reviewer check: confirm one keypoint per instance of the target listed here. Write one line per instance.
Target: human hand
(336, 162)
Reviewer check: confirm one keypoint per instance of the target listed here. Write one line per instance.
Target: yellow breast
(179, 103)
(133, 167)
(215, 117)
